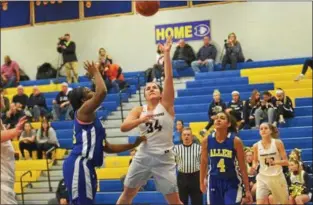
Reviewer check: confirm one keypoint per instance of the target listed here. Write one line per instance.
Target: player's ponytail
(275, 131)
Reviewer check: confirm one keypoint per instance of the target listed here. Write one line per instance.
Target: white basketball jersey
(265, 155)
(159, 131)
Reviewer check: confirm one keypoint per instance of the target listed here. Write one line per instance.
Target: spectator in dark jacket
(267, 110)
(233, 53)
(216, 106)
(68, 50)
(205, 56)
(183, 56)
(62, 196)
(12, 116)
(235, 108)
(250, 107)
(284, 106)
(20, 99)
(37, 104)
(61, 104)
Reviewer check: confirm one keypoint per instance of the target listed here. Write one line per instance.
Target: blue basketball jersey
(222, 157)
(88, 141)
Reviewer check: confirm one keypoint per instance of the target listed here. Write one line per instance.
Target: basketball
(147, 8)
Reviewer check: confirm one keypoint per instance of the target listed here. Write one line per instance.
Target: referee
(188, 163)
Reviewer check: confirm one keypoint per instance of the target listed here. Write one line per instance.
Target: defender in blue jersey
(219, 154)
(89, 141)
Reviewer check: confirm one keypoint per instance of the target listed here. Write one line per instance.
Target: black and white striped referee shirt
(187, 157)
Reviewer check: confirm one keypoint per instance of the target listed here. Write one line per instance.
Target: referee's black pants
(189, 186)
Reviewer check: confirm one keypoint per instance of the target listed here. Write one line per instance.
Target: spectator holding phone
(233, 53)
(267, 110)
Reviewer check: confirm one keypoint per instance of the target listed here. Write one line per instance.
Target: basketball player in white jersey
(270, 155)
(155, 121)
(7, 159)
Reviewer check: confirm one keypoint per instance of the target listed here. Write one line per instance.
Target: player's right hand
(146, 118)
(140, 140)
(91, 68)
(248, 198)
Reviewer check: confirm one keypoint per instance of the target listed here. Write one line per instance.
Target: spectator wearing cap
(235, 108)
(205, 56)
(20, 99)
(10, 73)
(267, 110)
(217, 105)
(68, 50)
(37, 104)
(284, 106)
(61, 104)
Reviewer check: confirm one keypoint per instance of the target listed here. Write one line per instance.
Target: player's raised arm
(203, 164)
(12, 133)
(168, 93)
(86, 110)
(117, 148)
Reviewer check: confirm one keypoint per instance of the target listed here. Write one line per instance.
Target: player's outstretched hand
(91, 68)
(20, 125)
(168, 45)
(140, 140)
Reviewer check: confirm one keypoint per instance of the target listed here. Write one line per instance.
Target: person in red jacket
(115, 76)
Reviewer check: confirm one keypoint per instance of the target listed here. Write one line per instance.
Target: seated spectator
(250, 107)
(115, 76)
(178, 131)
(284, 106)
(27, 140)
(12, 116)
(104, 58)
(157, 71)
(20, 99)
(300, 189)
(37, 104)
(10, 73)
(46, 139)
(233, 53)
(183, 56)
(61, 104)
(296, 154)
(6, 106)
(217, 105)
(308, 63)
(235, 108)
(62, 196)
(205, 56)
(267, 110)
(251, 173)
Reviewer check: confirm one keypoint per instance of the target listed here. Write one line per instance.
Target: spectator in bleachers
(251, 173)
(61, 195)
(6, 103)
(46, 139)
(27, 140)
(20, 99)
(183, 55)
(308, 63)
(178, 131)
(250, 107)
(157, 71)
(205, 56)
(187, 157)
(233, 53)
(267, 110)
(37, 104)
(12, 116)
(296, 154)
(68, 50)
(115, 76)
(284, 106)
(61, 104)
(300, 184)
(216, 106)
(10, 73)
(104, 58)
(235, 109)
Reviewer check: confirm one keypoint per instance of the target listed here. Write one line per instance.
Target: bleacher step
(112, 123)
(32, 196)
(53, 173)
(52, 178)
(40, 190)
(32, 202)
(44, 184)
(128, 106)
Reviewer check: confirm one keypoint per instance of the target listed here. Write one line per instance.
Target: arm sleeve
(214, 53)
(198, 54)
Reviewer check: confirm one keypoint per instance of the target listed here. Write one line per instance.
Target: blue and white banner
(189, 31)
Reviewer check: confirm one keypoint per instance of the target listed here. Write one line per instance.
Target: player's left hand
(248, 198)
(140, 140)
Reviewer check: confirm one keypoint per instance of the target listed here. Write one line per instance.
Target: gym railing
(48, 169)
(21, 181)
